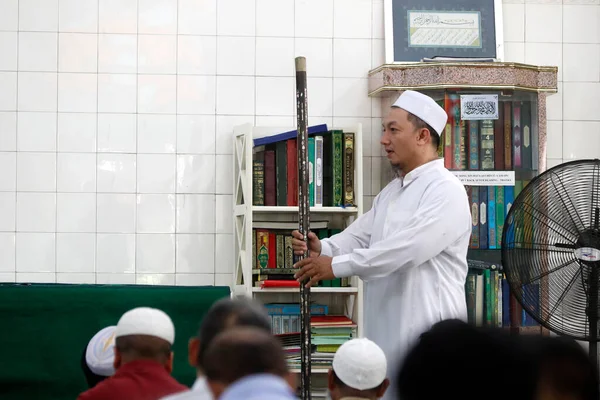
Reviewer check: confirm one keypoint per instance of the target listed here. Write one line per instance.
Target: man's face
(400, 138)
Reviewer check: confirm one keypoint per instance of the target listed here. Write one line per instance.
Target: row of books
(503, 144)
(331, 170)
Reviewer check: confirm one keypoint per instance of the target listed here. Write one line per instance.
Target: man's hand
(314, 268)
(299, 246)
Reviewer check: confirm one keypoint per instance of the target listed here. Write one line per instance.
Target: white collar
(420, 170)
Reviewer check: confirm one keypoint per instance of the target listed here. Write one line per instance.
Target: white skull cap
(360, 364)
(423, 107)
(146, 321)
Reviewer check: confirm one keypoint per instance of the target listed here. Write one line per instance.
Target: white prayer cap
(146, 321)
(423, 107)
(99, 355)
(360, 364)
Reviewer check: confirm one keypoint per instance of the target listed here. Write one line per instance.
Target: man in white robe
(410, 249)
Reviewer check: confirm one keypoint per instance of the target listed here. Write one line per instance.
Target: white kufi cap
(360, 364)
(423, 107)
(146, 321)
(99, 354)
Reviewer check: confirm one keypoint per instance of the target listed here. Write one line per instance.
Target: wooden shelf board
(290, 209)
(313, 290)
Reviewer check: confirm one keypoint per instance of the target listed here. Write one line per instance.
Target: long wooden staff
(303, 222)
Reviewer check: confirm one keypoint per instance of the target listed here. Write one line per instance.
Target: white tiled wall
(116, 124)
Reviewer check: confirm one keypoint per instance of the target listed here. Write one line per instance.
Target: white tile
(376, 183)
(156, 213)
(224, 254)
(540, 16)
(157, 94)
(9, 18)
(77, 92)
(156, 173)
(350, 123)
(583, 140)
(545, 54)
(78, 16)
(580, 100)
(352, 19)
(115, 279)
(197, 17)
(195, 254)
(77, 132)
(236, 17)
(155, 279)
(116, 213)
(8, 91)
(224, 131)
(377, 53)
(196, 94)
(77, 52)
(553, 162)
(319, 55)
(321, 97)
(194, 279)
(157, 16)
(157, 54)
(196, 55)
(156, 133)
(377, 20)
(8, 49)
(350, 97)
(76, 212)
(36, 131)
(554, 144)
(580, 24)
(224, 174)
(117, 133)
(117, 53)
(116, 173)
(36, 277)
(117, 93)
(8, 277)
(76, 172)
(8, 131)
(8, 166)
(36, 15)
(514, 52)
(581, 62)
(235, 95)
(367, 203)
(223, 279)
(224, 217)
(275, 18)
(352, 58)
(196, 173)
(195, 213)
(115, 253)
(7, 252)
(75, 252)
(314, 18)
(554, 104)
(35, 252)
(36, 212)
(196, 134)
(155, 253)
(235, 55)
(275, 96)
(8, 215)
(37, 91)
(275, 56)
(76, 278)
(277, 121)
(117, 16)
(36, 172)
(513, 17)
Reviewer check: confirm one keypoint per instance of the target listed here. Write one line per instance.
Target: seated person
(143, 359)
(98, 357)
(358, 371)
(248, 364)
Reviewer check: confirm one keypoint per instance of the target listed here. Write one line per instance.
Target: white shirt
(410, 249)
(199, 391)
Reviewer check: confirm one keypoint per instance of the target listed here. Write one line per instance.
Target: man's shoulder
(103, 390)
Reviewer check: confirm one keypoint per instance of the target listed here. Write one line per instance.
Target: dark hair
(144, 346)
(228, 313)
(91, 378)
(240, 352)
(420, 124)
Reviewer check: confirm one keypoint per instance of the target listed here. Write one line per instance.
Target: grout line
(16, 141)
(56, 171)
(137, 89)
(176, 144)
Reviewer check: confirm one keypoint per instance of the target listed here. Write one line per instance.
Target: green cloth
(45, 328)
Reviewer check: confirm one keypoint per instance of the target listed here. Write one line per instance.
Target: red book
(292, 172)
(278, 283)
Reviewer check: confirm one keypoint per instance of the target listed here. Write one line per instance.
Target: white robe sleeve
(439, 222)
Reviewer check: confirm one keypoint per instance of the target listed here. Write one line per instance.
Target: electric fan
(551, 250)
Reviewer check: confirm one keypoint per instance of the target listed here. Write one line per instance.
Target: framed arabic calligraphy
(419, 29)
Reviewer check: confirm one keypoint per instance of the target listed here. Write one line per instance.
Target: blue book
(312, 130)
(491, 217)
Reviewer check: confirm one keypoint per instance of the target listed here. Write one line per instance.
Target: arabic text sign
(478, 106)
(444, 29)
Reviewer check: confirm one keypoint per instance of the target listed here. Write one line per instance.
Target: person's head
(359, 369)
(144, 334)
(98, 357)
(240, 352)
(412, 130)
(226, 314)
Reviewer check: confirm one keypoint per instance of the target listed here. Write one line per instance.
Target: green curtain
(45, 327)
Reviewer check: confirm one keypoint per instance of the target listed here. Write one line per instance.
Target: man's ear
(292, 380)
(330, 381)
(169, 363)
(193, 350)
(117, 361)
(216, 388)
(383, 387)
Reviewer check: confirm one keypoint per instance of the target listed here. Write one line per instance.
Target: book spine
(448, 142)
(272, 250)
(499, 215)
(289, 252)
(470, 292)
(270, 179)
(473, 145)
(292, 172)
(280, 251)
(486, 130)
(491, 217)
(464, 144)
(499, 140)
(507, 136)
(483, 223)
(311, 170)
(262, 248)
(526, 149)
(475, 217)
(281, 172)
(348, 169)
(258, 179)
(337, 168)
(318, 171)
(516, 134)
